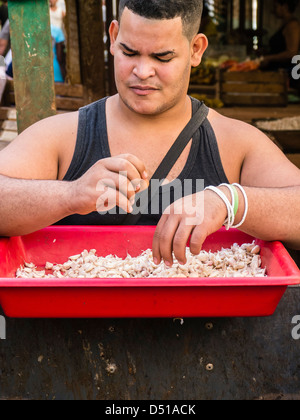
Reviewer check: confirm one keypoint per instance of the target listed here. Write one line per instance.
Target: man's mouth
(143, 90)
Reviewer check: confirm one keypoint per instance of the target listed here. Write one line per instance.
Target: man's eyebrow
(162, 54)
(129, 49)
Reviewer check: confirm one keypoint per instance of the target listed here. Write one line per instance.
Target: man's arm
(33, 194)
(274, 214)
(30, 205)
(274, 199)
(272, 185)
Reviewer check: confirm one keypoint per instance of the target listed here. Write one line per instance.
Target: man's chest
(151, 153)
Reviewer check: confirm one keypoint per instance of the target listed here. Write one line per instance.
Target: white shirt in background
(56, 18)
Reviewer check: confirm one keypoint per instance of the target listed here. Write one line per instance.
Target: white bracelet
(246, 206)
(230, 210)
(232, 202)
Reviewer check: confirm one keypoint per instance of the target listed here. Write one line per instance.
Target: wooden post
(91, 32)
(73, 52)
(32, 60)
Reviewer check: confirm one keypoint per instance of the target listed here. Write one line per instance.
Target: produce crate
(284, 131)
(254, 88)
(288, 140)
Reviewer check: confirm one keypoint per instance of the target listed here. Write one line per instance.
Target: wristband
(230, 220)
(234, 197)
(246, 206)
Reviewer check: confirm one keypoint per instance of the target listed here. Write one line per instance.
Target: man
(66, 167)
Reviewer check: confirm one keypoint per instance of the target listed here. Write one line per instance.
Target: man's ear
(198, 48)
(113, 33)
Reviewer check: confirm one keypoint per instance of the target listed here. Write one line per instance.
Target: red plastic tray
(130, 298)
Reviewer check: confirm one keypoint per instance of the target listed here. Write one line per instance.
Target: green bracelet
(236, 199)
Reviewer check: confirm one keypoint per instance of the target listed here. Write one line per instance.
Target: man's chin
(145, 106)
(142, 107)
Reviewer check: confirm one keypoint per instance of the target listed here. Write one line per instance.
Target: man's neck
(182, 111)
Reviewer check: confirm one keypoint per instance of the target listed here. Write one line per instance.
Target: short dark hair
(291, 4)
(190, 11)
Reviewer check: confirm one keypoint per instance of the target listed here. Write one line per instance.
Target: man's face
(152, 62)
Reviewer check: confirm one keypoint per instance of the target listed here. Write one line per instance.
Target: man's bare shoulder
(236, 133)
(261, 161)
(235, 138)
(232, 129)
(62, 123)
(49, 130)
(36, 152)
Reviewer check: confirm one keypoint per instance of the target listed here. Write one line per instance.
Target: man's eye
(128, 54)
(157, 58)
(164, 61)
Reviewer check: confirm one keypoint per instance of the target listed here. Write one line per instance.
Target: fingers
(118, 182)
(138, 164)
(124, 176)
(109, 183)
(116, 190)
(171, 237)
(163, 240)
(157, 239)
(198, 237)
(180, 242)
(133, 167)
(109, 199)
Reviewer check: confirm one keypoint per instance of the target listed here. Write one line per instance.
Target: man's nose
(144, 68)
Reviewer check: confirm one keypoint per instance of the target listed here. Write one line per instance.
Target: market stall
(234, 76)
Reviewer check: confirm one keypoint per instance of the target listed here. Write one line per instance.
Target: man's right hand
(109, 183)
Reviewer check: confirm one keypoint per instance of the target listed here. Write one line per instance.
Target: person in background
(5, 50)
(5, 39)
(59, 55)
(3, 13)
(58, 44)
(285, 43)
(62, 5)
(57, 14)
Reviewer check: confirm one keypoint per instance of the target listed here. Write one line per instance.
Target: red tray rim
(291, 280)
(145, 283)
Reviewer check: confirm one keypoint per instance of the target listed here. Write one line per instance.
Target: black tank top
(203, 163)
